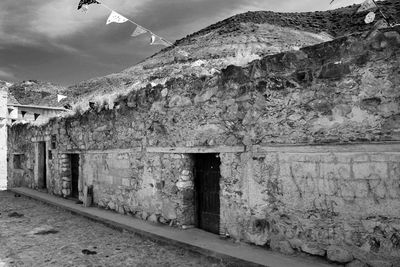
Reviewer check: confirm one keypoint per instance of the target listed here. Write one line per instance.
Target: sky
(53, 41)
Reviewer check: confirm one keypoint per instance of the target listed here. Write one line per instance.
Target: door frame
(197, 193)
(78, 182)
(37, 167)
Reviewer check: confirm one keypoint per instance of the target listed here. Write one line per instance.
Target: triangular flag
(86, 3)
(370, 18)
(115, 17)
(156, 40)
(60, 97)
(138, 31)
(85, 8)
(381, 24)
(366, 5)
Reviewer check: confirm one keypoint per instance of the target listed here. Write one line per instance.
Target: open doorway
(42, 168)
(207, 186)
(74, 158)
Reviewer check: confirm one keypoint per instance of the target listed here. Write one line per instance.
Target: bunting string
(155, 39)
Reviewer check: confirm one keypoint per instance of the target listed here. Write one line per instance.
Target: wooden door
(74, 175)
(207, 179)
(42, 170)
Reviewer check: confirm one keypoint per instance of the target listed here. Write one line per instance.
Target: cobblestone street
(34, 234)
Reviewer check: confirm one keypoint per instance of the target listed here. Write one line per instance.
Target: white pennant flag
(117, 18)
(366, 5)
(381, 24)
(156, 40)
(370, 18)
(85, 8)
(138, 31)
(60, 97)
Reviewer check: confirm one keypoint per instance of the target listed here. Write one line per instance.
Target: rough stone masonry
(308, 142)
(3, 135)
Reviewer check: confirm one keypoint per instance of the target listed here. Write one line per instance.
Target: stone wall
(3, 136)
(336, 201)
(316, 199)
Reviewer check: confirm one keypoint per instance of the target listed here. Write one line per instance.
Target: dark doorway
(74, 175)
(42, 170)
(207, 178)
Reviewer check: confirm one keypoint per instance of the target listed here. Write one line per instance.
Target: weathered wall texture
(316, 198)
(3, 136)
(137, 152)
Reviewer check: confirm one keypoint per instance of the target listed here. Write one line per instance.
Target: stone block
(379, 158)
(185, 178)
(111, 205)
(338, 254)
(66, 192)
(153, 218)
(184, 185)
(379, 263)
(335, 171)
(126, 182)
(67, 179)
(313, 249)
(356, 263)
(370, 170)
(296, 244)
(283, 246)
(185, 172)
(66, 184)
(144, 215)
(169, 210)
(164, 92)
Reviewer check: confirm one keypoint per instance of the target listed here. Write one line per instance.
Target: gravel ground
(35, 234)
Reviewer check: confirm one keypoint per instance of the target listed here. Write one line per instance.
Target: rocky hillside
(35, 92)
(235, 41)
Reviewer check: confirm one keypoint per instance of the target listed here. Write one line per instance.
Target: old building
(298, 151)
(3, 135)
(33, 111)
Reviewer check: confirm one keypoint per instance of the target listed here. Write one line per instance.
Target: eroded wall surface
(3, 137)
(332, 200)
(315, 199)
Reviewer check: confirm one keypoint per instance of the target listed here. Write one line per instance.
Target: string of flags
(115, 17)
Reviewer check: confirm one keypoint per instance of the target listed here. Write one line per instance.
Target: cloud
(53, 40)
(6, 75)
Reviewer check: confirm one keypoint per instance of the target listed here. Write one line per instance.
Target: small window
(18, 161)
(50, 155)
(10, 110)
(53, 142)
(36, 116)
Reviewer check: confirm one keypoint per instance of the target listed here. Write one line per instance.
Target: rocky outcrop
(237, 40)
(35, 93)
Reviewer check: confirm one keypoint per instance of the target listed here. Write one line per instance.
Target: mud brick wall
(334, 202)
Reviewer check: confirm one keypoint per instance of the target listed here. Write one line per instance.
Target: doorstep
(194, 239)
